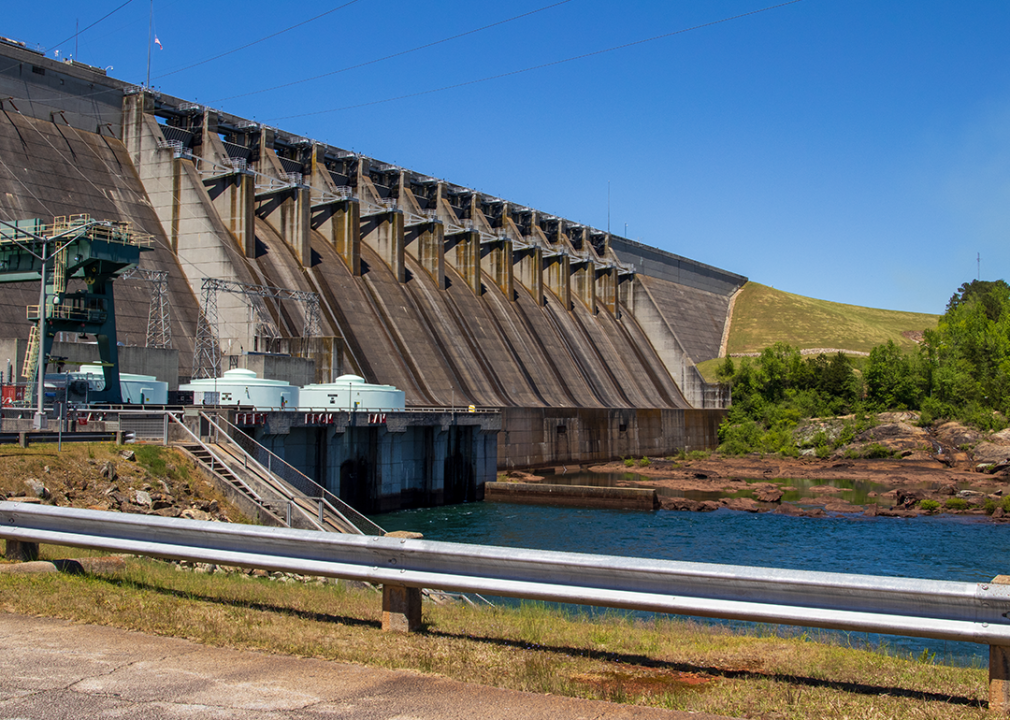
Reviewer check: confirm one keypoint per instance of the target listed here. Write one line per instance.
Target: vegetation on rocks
(960, 371)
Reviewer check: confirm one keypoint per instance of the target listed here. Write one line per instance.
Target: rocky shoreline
(949, 469)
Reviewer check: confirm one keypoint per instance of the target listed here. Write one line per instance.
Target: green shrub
(956, 503)
(1005, 504)
(876, 451)
(989, 506)
(699, 455)
(823, 451)
(629, 462)
(930, 506)
(644, 462)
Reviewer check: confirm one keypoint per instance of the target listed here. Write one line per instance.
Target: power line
(256, 42)
(395, 55)
(76, 34)
(542, 66)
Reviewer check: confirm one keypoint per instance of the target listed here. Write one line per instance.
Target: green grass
(664, 662)
(763, 316)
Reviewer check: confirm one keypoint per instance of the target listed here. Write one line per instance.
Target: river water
(940, 547)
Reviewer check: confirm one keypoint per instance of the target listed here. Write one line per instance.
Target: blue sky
(848, 150)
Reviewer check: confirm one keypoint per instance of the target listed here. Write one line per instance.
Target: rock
(768, 494)
(840, 506)
(708, 506)
(679, 504)
(142, 498)
(38, 489)
(908, 498)
(195, 514)
(897, 513)
(406, 534)
(742, 504)
(987, 452)
(109, 470)
(789, 509)
(973, 497)
(998, 513)
(871, 510)
(128, 455)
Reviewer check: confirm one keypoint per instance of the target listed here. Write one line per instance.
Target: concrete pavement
(52, 669)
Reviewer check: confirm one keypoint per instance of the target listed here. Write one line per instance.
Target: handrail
(362, 523)
(215, 457)
(280, 486)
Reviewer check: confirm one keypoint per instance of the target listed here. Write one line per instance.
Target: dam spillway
(586, 343)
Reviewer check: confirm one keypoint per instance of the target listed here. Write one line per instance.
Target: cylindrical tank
(243, 387)
(351, 392)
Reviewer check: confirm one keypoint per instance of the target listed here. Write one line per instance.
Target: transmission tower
(159, 323)
(207, 354)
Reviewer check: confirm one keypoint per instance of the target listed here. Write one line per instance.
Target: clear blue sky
(851, 150)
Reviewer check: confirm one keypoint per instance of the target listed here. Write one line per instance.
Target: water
(941, 548)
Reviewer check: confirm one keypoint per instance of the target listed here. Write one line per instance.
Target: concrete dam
(303, 261)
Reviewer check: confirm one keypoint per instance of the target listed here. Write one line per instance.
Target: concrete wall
(544, 437)
(403, 460)
(163, 364)
(294, 370)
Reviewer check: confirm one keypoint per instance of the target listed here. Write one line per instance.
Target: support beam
(385, 236)
(430, 248)
(626, 291)
(401, 608)
(530, 271)
(999, 669)
(19, 551)
(234, 198)
(606, 287)
(463, 251)
(558, 278)
(340, 223)
(583, 281)
(288, 210)
(499, 265)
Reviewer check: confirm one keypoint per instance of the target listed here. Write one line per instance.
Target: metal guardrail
(943, 610)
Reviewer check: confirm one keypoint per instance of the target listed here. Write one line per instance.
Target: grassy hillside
(763, 316)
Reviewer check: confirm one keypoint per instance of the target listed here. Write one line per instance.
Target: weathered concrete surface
(617, 498)
(542, 437)
(52, 669)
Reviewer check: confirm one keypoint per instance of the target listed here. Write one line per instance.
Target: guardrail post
(999, 669)
(401, 608)
(20, 551)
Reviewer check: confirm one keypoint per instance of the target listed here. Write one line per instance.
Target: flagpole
(150, 31)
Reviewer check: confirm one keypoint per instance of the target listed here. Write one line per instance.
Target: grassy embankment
(664, 662)
(763, 316)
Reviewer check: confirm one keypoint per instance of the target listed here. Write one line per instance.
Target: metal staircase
(276, 499)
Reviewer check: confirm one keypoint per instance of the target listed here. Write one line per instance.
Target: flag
(158, 43)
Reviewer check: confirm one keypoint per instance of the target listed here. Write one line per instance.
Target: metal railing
(299, 481)
(938, 609)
